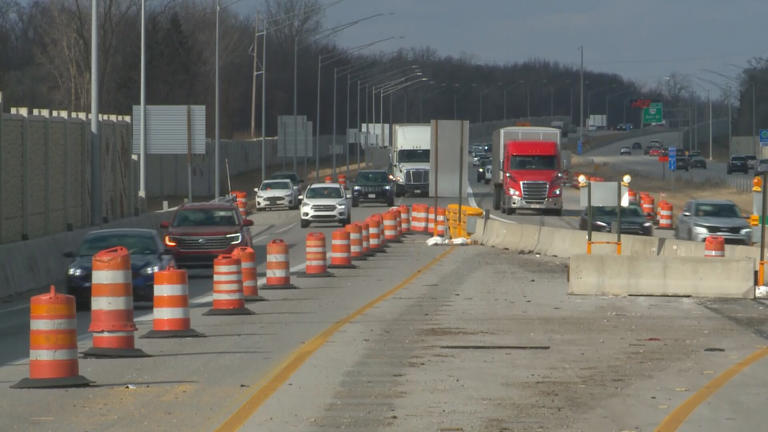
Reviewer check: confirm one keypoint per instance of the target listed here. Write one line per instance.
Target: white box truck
(410, 158)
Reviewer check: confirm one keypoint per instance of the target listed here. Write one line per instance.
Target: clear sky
(640, 39)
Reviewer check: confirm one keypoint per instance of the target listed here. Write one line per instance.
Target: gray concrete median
(661, 276)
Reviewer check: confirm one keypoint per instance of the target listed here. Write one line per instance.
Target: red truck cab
(532, 176)
(199, 232)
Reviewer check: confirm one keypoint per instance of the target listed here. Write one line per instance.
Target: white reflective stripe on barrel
(315, 263)
(277, 273)
(247, 264)
(113, 334)
(226, 269)
(170, 290)
(228, 296)
(341, 242)
(171, 313)
(315, 249)
(249, 283)
(52, 324)
(111, 303)
(111, 276)
(226, 287)
(355, 236)
(339, 255)
(53, 354)
(226, 277)
(277, 258)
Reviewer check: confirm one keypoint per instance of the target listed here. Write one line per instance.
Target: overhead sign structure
(653, 113)
(764, 137)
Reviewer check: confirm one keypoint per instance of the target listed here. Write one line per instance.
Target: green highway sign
(654, 113)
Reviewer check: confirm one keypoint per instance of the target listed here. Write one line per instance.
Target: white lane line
(473, 203)
(17, 307)
(287, 228)
(260, 238)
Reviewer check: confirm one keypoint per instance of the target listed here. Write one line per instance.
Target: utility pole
(217, 137)
(95, 144)
(754, 123)
(709, 100)
(264, 102)
(253, 79)
(581, 97)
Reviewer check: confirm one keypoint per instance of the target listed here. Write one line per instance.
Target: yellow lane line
(278, 376)
(678, 416)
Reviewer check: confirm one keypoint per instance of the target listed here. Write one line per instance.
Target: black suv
(373, 185)
(737, 163)
(682, 163)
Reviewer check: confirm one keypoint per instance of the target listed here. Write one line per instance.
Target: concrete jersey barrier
(662, 276)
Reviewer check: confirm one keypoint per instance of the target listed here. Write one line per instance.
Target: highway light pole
(581, 97)
(142, 115)
(95, 141)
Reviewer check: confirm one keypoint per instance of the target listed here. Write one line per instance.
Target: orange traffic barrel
(355, 241)
(170, 312)
(112, 305)
(398, 222)
(343, 180)
(249, 274)
(374, 234)
(419, 217)
(632, 196)
(647, 204)
(242, 203)
(52, 343)
(714, 247)
(366, 238)
(380, 219)
(328, 179)
(431, 220)
(405, 219)
(315, 256)
(278, 266)
(340, 250)
(228, 296)
(440, 222)
(390, 226)
(665, 215)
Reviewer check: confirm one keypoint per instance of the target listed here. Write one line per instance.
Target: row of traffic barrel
(660, 214)
(53, 355)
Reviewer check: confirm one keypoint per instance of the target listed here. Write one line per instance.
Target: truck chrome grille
(371, 189)
(200, 243)
(535, 191)
(417, 176)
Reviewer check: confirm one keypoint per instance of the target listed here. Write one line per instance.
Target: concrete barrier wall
(663, 276)
(37, 263)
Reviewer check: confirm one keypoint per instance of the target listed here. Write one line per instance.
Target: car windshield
(717, 210)
(275, 185)
(285, 176)
(411, 156)
(137, 244)
(750, 157)
(738, 159)
(631, 211)
(205, 217)
(533, 163)
(324, 192)
(372, 177)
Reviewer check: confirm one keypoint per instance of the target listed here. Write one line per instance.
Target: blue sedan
(148, 255)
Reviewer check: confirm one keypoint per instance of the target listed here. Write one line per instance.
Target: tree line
(45, 62)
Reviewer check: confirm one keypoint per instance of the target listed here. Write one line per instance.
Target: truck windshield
(411, 156)
(533, 163)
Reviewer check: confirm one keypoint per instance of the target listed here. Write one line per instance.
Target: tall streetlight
(754, 104)
(709, 102)
(589, 96)
(581, 96)
(322, 60)
(142, 114)
(96, 214)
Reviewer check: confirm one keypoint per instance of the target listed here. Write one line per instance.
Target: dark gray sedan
(703, 218)
(604, 219)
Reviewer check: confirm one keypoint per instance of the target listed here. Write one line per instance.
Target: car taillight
(168, 241)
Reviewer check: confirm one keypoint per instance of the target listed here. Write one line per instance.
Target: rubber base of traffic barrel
(342, 266)
(287, 286)
(75, 381)
(256, 298)
(160, 334)
(236, 311)
(360, 258)
(369, 253)
(113, 353)
(315, 275)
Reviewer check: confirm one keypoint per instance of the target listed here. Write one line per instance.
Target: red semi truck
(527, 169)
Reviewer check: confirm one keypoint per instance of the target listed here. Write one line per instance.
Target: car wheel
(305, 223)
(390, 202)
(509, 210)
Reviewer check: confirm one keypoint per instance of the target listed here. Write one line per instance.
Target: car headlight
(357, 188)
(699, 227)
(513, 192)
(235, 238)
(341, 204)
(480, 170)
(601, 224)
(647, 224)
(305, 204)
(746, 230)
(148, 270)
(386, 187)
(75, 271)
(556, 192)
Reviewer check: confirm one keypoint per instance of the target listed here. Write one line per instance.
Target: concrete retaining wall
(663, 276)
(37, 263)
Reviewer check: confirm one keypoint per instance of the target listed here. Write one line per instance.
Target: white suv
(325, 202)
(276, 193)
